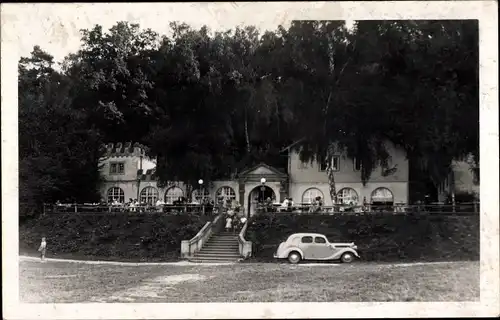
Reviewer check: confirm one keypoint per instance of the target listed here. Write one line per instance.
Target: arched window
(310, 194)
(347, 196)
(117, 194)
(225, 193)
(149, 195)
(196, 195)
(173, 194)
(382, 195)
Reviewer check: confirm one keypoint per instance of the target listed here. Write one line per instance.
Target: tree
(319, 75)
(413, 84)
(213, 84)
(209, 104)
(425, 73)
(367, 87)
(58, 153)
(112, 72)
(189, 130)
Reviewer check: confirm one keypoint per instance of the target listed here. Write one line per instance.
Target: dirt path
(187, 263)
(118, 263)
(151, 288)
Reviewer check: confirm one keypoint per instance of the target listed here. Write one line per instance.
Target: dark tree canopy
(208, 104)
(58, 153)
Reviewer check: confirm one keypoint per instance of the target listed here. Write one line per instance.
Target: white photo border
(20, 22)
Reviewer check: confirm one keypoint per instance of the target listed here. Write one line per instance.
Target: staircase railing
(245, 247)
(190, 247)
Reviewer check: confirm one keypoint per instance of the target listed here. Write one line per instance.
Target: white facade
(302, 183)
(121, 172)
(391, 180)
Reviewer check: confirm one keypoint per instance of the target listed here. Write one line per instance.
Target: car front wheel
(294, 257)
(347, 257)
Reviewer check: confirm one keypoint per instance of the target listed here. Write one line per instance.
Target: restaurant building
(128, 174)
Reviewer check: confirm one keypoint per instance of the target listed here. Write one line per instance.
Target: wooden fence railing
(100, 208)
(472, 207)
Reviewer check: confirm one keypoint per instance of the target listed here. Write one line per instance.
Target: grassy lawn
(61, 282)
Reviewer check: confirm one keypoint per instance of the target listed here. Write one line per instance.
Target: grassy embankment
(110, 236)
(380, 237)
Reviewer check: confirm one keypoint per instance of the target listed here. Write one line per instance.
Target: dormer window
(117, 168)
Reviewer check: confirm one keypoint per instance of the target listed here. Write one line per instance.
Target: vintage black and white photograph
(296, 160)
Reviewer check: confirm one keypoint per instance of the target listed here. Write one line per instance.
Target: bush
(379, 237)
(121, 236)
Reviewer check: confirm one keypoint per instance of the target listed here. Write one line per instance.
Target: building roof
(126, 149)
(149, 175)
(271, 170)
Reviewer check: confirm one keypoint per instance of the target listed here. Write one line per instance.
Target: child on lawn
(43, 249)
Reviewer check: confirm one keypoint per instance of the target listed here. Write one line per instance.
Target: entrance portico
(250, 186)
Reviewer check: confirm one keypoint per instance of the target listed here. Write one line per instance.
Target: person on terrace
(229, 221)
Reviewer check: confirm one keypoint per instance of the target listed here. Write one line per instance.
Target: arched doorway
(310, 194)
(258, 195)
(382, 199)
(173, 194)
(116, 194)
(149, 195)
(224, 193)
(347, 196)
(200, 196)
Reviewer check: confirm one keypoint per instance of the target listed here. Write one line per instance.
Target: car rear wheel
(294, 257)
(347, 257)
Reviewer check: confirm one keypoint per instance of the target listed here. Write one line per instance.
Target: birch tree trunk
(331, 175)
(247, 137)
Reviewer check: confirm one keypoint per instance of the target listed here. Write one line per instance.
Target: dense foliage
(209, 104)
(58, 152)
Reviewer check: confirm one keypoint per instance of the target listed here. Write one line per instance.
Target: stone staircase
(220, 247)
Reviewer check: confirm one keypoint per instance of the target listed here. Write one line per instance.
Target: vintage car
(315, 246)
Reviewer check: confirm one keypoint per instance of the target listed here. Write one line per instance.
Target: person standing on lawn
(42, 249)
